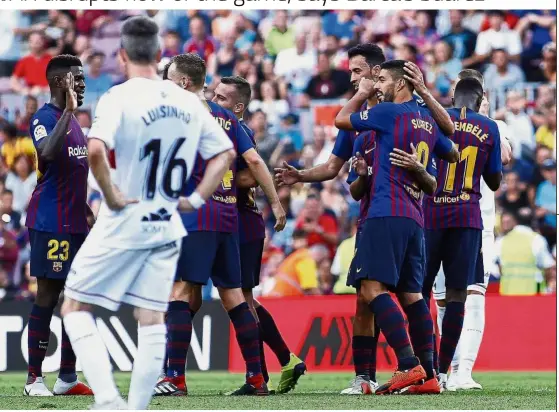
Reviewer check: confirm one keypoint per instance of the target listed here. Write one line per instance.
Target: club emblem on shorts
(57, 266)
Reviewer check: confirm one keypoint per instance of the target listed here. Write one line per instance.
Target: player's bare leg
(392, 324)
(292, 368)
(90, 348)
(48, 293)
(363, 344)
(421, 336)
(186, 299)
(246, 330)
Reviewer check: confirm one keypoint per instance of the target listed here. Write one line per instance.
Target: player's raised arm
(410, 161)
(50, 143)
(441, 116)
(217, 149)
(493, 172)
(343, 119)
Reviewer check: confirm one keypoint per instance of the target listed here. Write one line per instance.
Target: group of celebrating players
(168, 162)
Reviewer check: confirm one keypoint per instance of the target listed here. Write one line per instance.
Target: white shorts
(488, 248)
(107, 277)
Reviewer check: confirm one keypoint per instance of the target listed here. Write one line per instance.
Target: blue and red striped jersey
(219, 214)
(343, 147)
(59, 202)
(251, 223)
(364, 144)
(456, 201)
(393, 189)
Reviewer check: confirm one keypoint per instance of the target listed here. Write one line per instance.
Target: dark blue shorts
(251, 261)
(52, 254)
(214, 255)
(459, 250)
(351, 273)
(391, 251)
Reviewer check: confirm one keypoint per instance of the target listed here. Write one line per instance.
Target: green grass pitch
(504, 390)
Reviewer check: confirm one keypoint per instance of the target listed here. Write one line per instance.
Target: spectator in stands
(442, 75)
(297, 275)
(462, 40)
(549, 63)
(89, 20)
(281, 36)
(501, 73)
(518, 122)
(327, 84)
(8, 247)
(22, 122)
(28, 290)
(331, 195)
(514, 197)
(269, 103)
(290, 129)
(546, 202)
(29, 74)
(321, 228)
(325, 278)
(222, 63)
(498, 36)
(546, 135)
(534, 26)
(13, 146)
(406, 52)
(422, 35)
(97, 83)
(342, 24)
(200, 42)
(10, 217)
(338, 56)
(522, 254)
(342, 262)
(541, 156)
(171, 44)
(21, 181)
(11, 46)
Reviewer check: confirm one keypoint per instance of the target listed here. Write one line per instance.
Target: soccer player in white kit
(156, 129)
(474, 315)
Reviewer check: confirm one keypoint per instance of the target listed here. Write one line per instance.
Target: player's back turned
(458, 184)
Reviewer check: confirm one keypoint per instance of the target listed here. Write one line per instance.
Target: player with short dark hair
(58, 217)
(453, 218)
(212, 248)
(395, 215)
(233, 93)
(155, 130)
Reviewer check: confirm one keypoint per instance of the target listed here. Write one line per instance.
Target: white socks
(472, 333)
(93, 355)
(440, 316)
(147, 365)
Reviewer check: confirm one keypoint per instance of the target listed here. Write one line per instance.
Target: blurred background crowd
(296, 63)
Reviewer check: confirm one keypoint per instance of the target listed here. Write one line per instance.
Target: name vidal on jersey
(163, 112)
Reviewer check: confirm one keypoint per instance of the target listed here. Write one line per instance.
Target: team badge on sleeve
(364, 115)
(40, 132)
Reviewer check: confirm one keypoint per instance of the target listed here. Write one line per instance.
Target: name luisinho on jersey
(164, 112)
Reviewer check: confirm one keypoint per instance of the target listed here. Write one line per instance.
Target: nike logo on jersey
(69, 131)
(80, 152)
(369, 151)
(359, 270)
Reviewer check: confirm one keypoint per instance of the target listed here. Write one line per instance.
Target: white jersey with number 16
(155, 129)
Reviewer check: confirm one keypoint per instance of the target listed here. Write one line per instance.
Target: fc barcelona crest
(57, 266)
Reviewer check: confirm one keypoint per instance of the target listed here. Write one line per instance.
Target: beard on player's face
(388, 94)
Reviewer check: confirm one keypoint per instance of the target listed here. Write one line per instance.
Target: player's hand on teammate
(359, 164)
(116, 201)
(279, 214)
(366, 87)
(408, 161)
(415, 77)
(286, 175)
(184, 205)
(71, 95)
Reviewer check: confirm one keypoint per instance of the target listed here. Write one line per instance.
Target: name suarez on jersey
(460, 126)
(164, 112)
(422, 124)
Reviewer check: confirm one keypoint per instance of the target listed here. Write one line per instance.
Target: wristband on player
(196, 200)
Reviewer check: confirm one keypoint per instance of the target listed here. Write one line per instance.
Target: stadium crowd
(294, 61)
